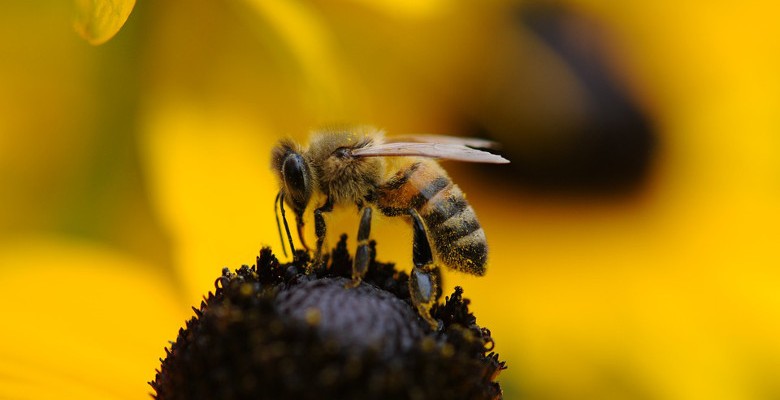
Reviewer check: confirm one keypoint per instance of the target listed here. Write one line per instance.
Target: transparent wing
(444, 139)
(446, 151)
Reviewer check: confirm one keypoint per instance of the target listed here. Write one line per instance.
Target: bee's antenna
(278, 225)
(286, 227)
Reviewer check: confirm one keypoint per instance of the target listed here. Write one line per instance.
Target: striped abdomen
(453, 229)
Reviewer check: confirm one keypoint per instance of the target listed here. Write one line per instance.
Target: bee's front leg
(320, 229)
(363, 251)
(425, 280)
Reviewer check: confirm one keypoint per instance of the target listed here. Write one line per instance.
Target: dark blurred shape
(564, 118)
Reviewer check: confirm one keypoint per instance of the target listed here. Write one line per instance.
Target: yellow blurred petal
(409, 8)
(305, 35)
(97, 21)
(211, 182)
(81, 322)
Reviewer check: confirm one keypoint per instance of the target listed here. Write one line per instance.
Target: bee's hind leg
(425, 279)
(363, 251)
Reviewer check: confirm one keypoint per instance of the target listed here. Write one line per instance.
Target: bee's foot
(310, 266)
(435, 324)
(317, 263)
(355, 282)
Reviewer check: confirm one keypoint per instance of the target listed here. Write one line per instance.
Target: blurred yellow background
(133, 171)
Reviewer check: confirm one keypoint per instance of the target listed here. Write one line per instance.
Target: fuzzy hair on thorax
(347, 180)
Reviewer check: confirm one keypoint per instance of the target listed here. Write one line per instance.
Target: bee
(399, 178)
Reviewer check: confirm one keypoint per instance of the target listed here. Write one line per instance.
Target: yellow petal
(81, 322)
(97, 21)
(671, 293)
(409, 8)
(212, 185)
(305, 35)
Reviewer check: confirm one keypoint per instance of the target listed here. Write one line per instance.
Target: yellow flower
(131, 173)
(80, 321)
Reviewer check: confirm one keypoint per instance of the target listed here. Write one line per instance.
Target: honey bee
(400, 178)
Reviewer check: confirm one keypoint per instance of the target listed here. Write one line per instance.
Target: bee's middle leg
(320, 229)
(425, 279)
(363, 251)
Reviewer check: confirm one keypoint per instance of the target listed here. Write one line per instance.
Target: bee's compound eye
(296, 181)
(293, 171)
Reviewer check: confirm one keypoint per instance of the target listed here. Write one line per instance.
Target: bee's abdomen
(455, 232)
(453, 229)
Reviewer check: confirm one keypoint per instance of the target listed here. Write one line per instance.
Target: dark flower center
(273, 331)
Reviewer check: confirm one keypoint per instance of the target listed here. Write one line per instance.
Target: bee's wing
(444, 139)
(447, 151)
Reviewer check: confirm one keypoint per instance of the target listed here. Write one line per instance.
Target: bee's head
(294, 175)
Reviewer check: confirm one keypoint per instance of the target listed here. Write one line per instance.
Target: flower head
(274, 331)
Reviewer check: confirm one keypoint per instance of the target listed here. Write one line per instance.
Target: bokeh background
(633, 238)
